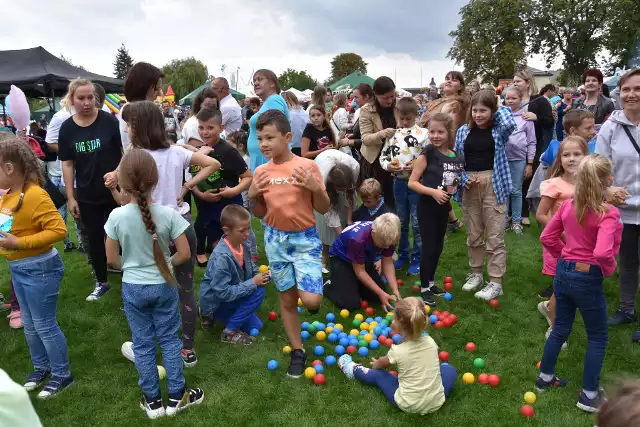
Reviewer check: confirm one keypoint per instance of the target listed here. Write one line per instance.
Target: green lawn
(239, 391)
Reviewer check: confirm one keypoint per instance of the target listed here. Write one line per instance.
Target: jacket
(370, 128)
(604, 107)
(613, 143)
(225, 280)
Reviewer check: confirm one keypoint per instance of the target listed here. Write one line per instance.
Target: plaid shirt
(503, 127)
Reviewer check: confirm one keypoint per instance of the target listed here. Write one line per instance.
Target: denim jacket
(225, 280)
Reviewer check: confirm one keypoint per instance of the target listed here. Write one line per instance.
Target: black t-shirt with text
(319, 139)
(233, 165)
(442, 171)
(95, 150)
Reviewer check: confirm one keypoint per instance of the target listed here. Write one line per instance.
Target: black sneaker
(191, 396)
(297, 363)
(546, 292)
(35, 379)
(428, 297)
(542, 385)
(437, 291)
(69, 247)
(206, 322)
(153, 408)
(591, 405)
(621, 317)
(189, 358)
(236, 337)
(455, 225)
(55, 386)
(98, 291)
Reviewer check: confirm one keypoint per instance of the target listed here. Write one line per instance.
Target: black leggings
(629, 264)
(433, 219)
(345, 289)
(94, 217)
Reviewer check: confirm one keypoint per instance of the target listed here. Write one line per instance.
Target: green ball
(417, 283)
(362, 343)
(312, 329)
(478, 363)
(389, 320)
(385, 322)
(316, 323)
(356, 323)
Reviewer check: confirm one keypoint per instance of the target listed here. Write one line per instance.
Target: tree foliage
(68, 61)
(300, 80)
(623, 29)
(185, 75)
(346, 63)
(122, 62)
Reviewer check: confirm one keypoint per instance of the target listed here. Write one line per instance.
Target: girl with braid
(149, 289)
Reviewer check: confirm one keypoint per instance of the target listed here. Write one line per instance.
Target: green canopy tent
(349, 83)
(187, 100)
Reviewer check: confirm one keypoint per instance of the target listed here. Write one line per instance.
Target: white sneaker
(564, 345)
(324, 269)
(346, 365)
(127, 351)
(489, 292)
(474, 281)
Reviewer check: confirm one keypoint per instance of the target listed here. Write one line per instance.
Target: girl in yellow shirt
(29, 226)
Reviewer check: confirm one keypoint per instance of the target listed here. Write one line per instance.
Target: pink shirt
(596, 241)
(557, 189)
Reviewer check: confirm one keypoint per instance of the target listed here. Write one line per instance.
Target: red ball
(448, 286)
(443, 356)
(319, 379)
(538, 364)
(437, 313)
(494, 380)
(448, 280)
(316, 362)
(370, 311)
(400, 282)
(445, 314)
(453, 318)
(439, 324)
(351, 349)
(527, 411)
(394, 373)
(415, 289)
(273, 316)
(364, 304)
(483, 379)
(388, 342)
(470, 347)
(447, 322)
(494, 303)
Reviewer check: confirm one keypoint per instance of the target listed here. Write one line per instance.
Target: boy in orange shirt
(285, 192)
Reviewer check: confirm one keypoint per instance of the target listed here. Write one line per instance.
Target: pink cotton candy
(19, 108)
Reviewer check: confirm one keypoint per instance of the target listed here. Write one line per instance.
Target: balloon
(19, 108)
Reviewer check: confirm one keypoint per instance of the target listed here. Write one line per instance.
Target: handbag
(56, 195)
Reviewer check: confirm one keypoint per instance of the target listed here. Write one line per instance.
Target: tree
(185, 75)
(297, 79)
(623, 34)
(68, 61)
(345, 64)
(122, 63)
(490, 39)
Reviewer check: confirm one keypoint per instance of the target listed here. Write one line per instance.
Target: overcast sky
(407, 41)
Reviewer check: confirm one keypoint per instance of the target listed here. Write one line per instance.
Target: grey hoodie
(614, 144)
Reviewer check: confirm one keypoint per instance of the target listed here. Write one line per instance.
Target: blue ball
(378, 319)
(369, 320)
(388, 331)
(425, 334)
(330, 360)
(272, 365)
(374, 345)
(319, 350)
(299, 310)
(353, 342)
(364, 332)
(330, 317)
(319, 368)
(342, 335)
(331, 324)
(344, 342)
(374, 337)
(254, 332)
(397, 339)
(304, 335)
(363, 351)
(340, 350)
(384, 322)
(448, 297)
(377, 330)
(433, 319)
(304, 326)
(321, 326)
(443, 364)
(332, 337)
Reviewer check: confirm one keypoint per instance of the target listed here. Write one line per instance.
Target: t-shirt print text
(283, 180)
(87, 146)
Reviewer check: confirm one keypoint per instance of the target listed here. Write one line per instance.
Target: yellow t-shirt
(37, 224)
(420, 384)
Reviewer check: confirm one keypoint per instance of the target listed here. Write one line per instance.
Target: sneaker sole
(189, 364)
(49, 396)
(158, 413)
(587, 408)
(542, 308)
(128, 354)
(489, 299)
(470, 289)
(195, 402)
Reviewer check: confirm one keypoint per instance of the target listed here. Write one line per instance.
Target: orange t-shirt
(238, 255)
(289, 207)
(558, 189)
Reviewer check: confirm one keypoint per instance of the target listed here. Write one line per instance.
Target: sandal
(236, 337)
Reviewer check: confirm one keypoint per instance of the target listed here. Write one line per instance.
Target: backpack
(49, 155)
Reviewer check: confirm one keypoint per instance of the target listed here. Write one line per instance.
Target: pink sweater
(596, 241)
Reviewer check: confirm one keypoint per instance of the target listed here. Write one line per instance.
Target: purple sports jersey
(355, 245)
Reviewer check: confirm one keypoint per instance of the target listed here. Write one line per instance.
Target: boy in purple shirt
(352, 257)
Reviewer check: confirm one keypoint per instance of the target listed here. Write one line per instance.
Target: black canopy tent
(41, 74)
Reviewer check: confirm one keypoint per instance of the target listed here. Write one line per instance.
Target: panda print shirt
(403, 148)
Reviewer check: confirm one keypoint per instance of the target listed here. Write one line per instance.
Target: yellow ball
(373, 324)
(339, 327)
(162, 373)
(354, 332)
(368, 338)
(263, 269)
(364, 326)
(329, 329)
(310, 373)
(360, 317)
(344, 313)
(299, 302)
(390, 313)
(427, 308)
(530, 397)
(468, 378)
(286, 349)
(321, 335)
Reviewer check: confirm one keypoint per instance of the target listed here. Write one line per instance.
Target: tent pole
(53, 101)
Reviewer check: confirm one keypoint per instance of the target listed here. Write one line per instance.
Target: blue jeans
(516, 167)
(389, 383)
(583, 291)
(153, 315)
(36, 281)
(407, 209)
(241, 313)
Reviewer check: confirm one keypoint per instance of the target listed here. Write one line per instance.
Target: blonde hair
(556, 169)
(592, 180)
(17, 152)
(411, 315)
(527, 76)
(291, 99)
(387, 229)
(67, 101)
(369, 188)
(517, 90)
(623, 409)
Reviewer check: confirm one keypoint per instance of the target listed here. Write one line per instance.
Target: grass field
(239, 391)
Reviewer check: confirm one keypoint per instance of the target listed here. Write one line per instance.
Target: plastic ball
(527, 411)
(538, 365)
(316, 362)
(453, 319)
(363, 351)
(272, 365)
(344, 313)
(494, 303)
(448, 287)
(374, 345)
(447, 322)
(369, 320)
(468, 378)
(356, 323)
(318, 350)
(377, 330)
(360, 317)
(312, 329)
(330, 317)
(339, 327)
(319, 368)
(351, 349)
(329, 330)
(362, 343)
(286, 349)
(273, 316)
(162, 373)
(341, 335)
(333, 325)
(340, 350)
(417, 283)
(321, 336)
(353, 342)
(400, 282)
(362, 333)
(378, 319)
(299, 310)
(319, 379)
(263, 269)
(394, 373)
(370, 311)
(299, 302)
(368, 338)
(478, 363)
(309, 373)
(304, 326)
(448, 297)
(332, 337)
(530, 397)
(443, 356)
(415, 289)
(321, 326)
(254, 332)
(470, 347)
(494, 380)
(483, 379)
(305, 335)
(385, 323)
(315, 323)
(433, 319)
(427, 308)
(448, 280)
(438, 324)
(364, 326)
(344, 342)
(397, 338)
(364, 304)
(354, 332)
(330, 360)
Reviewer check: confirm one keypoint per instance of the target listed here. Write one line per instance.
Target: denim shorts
(295, 259)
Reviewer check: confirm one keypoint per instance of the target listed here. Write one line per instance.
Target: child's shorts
(295, 259)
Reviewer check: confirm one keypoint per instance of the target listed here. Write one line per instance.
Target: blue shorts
(295, 259)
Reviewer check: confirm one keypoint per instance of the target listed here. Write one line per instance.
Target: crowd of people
(129, 182)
